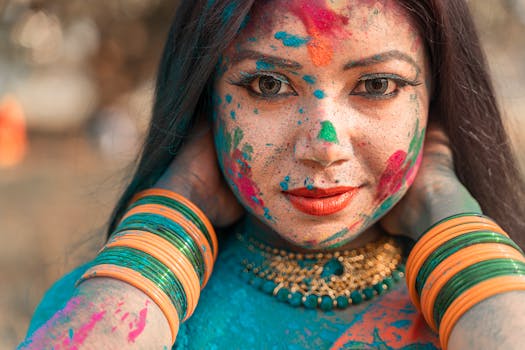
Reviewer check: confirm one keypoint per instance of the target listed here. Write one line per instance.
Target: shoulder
(56, 297)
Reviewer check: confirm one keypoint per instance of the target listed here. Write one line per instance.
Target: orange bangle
(186, 202)
(188, 226)
(418, 258)
(438, 229)
(140, 282)
(156, 246)
(474, 295)
(456, 263)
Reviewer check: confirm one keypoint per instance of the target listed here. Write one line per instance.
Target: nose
(325, 144)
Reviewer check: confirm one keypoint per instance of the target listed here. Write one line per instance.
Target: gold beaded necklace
(325, 280)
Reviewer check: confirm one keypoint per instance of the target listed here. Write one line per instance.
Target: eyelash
(247, 79)
(398, 80)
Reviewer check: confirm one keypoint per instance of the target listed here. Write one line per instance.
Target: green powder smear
(327, 132)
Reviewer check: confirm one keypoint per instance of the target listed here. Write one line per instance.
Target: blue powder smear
(229, 98)
(291, 40)
(319, 94)
(284, 184)
(309, 79)
(262, 65)
(232, 114)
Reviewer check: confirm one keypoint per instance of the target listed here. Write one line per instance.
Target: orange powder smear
(320, 50)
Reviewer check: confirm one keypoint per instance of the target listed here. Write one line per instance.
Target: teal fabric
(232, 314)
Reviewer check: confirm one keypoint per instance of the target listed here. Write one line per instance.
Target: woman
(319, 110)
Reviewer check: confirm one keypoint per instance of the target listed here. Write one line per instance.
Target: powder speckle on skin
(323, 25)
(82, 333)
(291, 40)
(319, 94)
(232, 115)
(309, 183)
(327, 132)
(284, 183)
(263, 65)
(310, 79)
(228, 98)
(140, 325)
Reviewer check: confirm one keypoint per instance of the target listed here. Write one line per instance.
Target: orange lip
(319, 201)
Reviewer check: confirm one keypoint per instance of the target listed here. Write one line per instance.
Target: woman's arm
(495, 323)
(104, 313)
(117, 315)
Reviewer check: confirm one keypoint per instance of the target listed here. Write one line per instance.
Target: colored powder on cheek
(291, 40)
(301, 110)
(392, 178)
(327, 132)
(228, 98)
(141, 324)
(256, 111)
(309, 79)
(319, 94)
(232, 115)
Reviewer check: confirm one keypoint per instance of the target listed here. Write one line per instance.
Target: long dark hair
(463, 99)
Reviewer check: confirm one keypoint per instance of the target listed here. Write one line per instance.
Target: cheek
(399, 172)
(235, 154)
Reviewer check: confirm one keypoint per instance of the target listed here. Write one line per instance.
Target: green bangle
(169, 230)
(452, 246)
(471, 276)
(180, 207)
(150, 268)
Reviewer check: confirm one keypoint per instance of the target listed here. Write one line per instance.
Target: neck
(255, 228)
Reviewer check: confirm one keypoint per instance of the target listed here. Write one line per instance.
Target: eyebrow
(383, 57)
(273, 60)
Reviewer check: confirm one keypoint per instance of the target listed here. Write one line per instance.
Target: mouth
(321, 201)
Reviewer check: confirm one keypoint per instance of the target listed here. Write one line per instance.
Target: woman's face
(320, 110)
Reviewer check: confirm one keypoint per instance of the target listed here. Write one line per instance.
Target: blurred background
(76, 82)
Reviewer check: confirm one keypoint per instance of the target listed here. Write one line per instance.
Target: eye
(381, 86)
(269, 85)
(266, 85)
(377, 86)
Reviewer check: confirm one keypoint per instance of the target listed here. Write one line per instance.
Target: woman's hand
(435, 194)
(195, 174)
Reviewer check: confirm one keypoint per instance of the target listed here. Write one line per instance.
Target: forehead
(328, 29)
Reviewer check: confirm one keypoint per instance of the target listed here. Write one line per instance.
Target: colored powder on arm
(141, 324)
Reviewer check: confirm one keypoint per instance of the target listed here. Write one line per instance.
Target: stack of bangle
(164, 246)
(459, 262)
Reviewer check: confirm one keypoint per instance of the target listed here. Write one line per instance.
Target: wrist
(441, 200)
